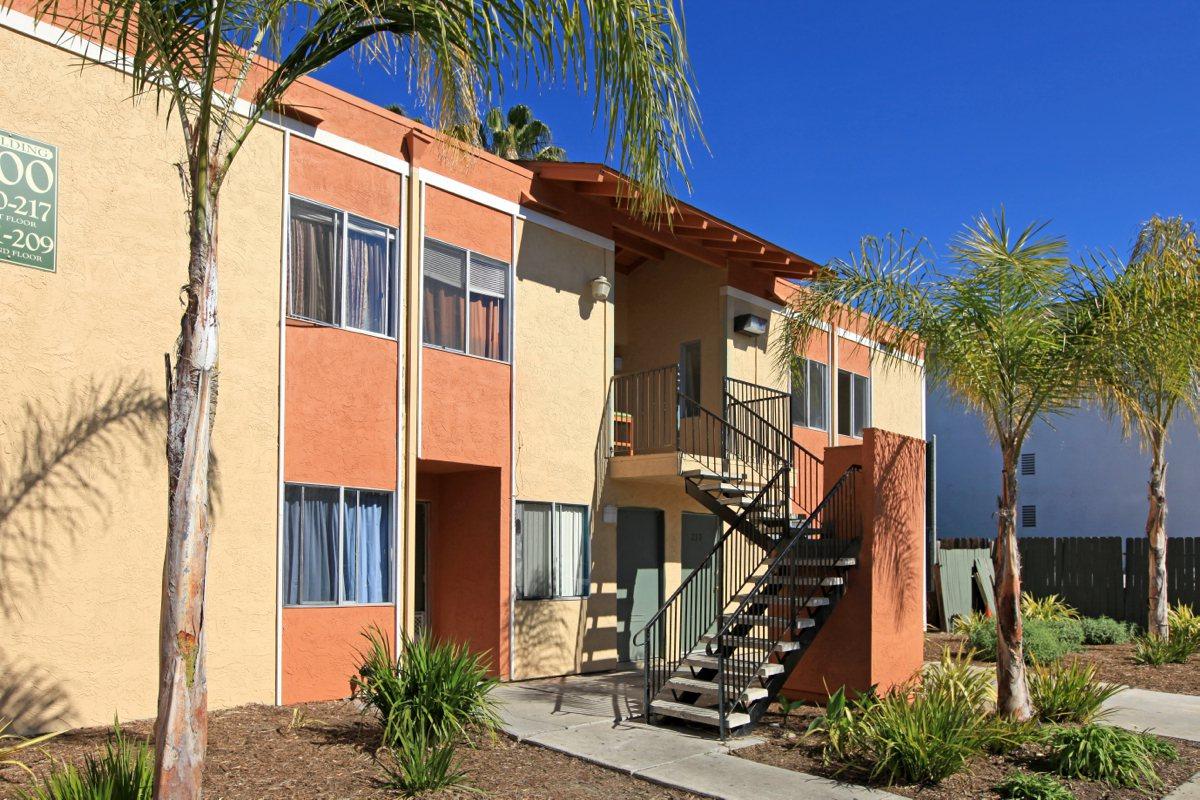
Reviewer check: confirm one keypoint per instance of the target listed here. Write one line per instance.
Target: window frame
(854, 382)
(508, 304)
(555, 540)
(1028, 464)
(1029, 516)
(809, 363)
(339, 576)
(343, 220)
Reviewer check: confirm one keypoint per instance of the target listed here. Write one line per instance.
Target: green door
(700, 533)
(639, 575)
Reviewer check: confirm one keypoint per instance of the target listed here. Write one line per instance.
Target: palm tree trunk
(1012, 695)
(1156, 532)
(181, 729)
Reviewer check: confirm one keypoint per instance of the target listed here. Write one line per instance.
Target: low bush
(417, 764)
(1068, 692)
(1046, 608)
(1037, 786)
(968, 624)
(11, 746)
(124, 771)
(437, 688)
(1176, 648)
(1104, 630)
(1044, 640)
(1185, 620)
(954, 678)
(1099, 752)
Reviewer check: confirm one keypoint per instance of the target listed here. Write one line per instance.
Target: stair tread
(783, 646)
(708, 716)
(709, 688)
(706, 661)
(708, 474)
(765, 619)
(769, 599)
(722, 487)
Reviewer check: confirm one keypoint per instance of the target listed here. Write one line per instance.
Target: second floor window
(465, 304)
(810, 396)
(854, 403)
(341, 269)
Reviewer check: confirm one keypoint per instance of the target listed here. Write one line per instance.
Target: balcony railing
(645, 412)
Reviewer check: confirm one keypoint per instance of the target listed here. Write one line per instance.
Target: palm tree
(200, 60)
(520, 135)
(1149, 353)
(1005, 331)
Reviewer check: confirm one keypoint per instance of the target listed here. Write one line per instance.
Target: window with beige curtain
(341, 269)
(465, 301)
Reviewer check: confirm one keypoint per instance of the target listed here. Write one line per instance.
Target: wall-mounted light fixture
(749, 324)
(601, 287)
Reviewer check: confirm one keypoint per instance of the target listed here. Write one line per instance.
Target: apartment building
(459, 395)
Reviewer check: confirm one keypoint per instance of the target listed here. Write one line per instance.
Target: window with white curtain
(551, 550)
(465, 302)
(810, 395)
(341, 269)
(854, 403)
(337, 545)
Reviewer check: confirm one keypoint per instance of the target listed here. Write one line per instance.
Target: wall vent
(1028, 516)
(1028, 463)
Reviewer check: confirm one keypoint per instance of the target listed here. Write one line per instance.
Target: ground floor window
(337, 545)
(551, 550)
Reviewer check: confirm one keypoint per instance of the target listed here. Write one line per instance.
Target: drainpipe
(833, 382)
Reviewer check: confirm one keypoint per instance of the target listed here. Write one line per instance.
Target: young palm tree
(197, 58)
(520, 135)
(1149, 354)
(1005, 332)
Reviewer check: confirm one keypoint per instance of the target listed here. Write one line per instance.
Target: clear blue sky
(826, 121)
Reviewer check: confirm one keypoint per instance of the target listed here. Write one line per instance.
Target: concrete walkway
(589, 717)
(1176, 715)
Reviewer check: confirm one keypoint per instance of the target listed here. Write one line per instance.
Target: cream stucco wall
(751, 358)
(897, 395)
(563, 363)
(82, 478)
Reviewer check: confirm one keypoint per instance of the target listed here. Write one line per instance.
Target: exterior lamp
(601, 286)
(749, 324)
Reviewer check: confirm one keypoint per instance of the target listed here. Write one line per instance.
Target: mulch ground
(786, 747)
(257, 752)
(1113, 662)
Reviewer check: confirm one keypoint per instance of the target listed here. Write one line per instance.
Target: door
(421, 595)
(699, 535)
(639, 575)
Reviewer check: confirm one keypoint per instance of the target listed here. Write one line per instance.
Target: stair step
(802, 623)
(705, 661)
(708, 688)
(782, 646)
(705, 716)
(709, 475)
(721, 487)
(779, 599)
(809, 580)
(740, 500)
(821, 561)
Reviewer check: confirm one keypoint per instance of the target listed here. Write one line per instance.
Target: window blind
(489, 276)
(445, 263)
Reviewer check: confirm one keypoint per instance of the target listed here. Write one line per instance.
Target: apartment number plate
(28, 202)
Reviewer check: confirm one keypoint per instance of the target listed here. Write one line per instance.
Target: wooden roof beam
(636, 244)
(663, 238)
(580, 173)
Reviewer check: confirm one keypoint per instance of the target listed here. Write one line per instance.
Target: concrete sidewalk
(589, 717)
(1176, 715)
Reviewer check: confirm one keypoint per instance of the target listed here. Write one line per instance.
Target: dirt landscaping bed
(258, 752)
(1113, 662)
(786, 747)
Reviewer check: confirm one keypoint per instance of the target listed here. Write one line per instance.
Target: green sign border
(53, 268)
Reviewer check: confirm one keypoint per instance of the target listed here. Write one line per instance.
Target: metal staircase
(721, 647)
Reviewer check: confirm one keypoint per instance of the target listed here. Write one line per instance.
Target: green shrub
(954, 678)
(1099, 752)
(1159, 749)
(418, 763)
(1046, 608)
(1180, 645)
(1045, 640)
(1038, 786)
(841, 722)
(124, 771)
(1104, 630)
(967, 625)
(1184, 619)
(436, 688)
(1068, 692)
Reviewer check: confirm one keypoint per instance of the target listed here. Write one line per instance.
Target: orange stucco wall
(340, 417)
(329, 177)
(874, 635)
(465, 409)
(452, 219)
(322, 646)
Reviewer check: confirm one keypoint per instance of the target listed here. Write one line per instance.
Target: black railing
(769, 605)
(645, 412)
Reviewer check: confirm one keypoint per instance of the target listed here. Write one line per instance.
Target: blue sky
(826, 121)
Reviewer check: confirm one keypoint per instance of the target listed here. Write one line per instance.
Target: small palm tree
(200, 60)
(1149, 354)
(519, 135)
(1006, 331)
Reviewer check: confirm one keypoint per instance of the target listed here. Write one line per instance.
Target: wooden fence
(1101, 575)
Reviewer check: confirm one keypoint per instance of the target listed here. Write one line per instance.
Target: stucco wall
(897, 395)
(563, 343)
(751, 358)
(82, 555)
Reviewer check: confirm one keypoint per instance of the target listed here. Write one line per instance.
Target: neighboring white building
(1079, 476)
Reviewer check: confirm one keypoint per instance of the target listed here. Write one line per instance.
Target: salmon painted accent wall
(329, 177)
(321, 647)
(454, 220)
(465, 409)
(341, 408)
(467, 568)
(854, 357)
(874, 635)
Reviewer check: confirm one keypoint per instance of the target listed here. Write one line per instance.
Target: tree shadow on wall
(64, 460)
